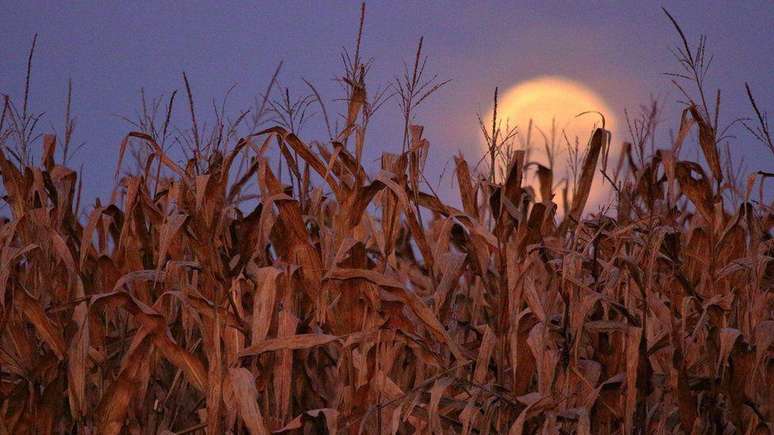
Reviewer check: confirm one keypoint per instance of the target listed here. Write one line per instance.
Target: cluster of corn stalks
(343, 302)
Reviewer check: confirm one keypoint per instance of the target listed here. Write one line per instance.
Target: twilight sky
(620, 50)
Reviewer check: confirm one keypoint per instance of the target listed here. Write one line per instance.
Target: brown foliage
(180, 310)
(336, 309)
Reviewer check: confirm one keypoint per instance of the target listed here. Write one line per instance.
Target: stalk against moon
(545, 111)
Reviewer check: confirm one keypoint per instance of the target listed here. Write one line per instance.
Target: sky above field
(618, 50)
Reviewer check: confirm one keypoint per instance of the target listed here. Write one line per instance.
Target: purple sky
(619, 49)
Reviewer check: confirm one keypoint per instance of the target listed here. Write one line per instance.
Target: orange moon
(557, 101)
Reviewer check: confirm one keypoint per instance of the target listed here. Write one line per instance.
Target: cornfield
(219, 295)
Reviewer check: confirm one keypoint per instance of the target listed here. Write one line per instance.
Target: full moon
(553, 105)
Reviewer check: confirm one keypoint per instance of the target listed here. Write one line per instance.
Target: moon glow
(555, 101)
